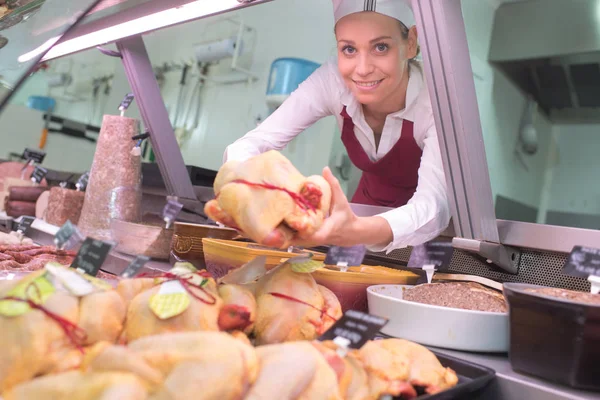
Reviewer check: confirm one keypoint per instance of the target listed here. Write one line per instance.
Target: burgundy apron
(390, 181)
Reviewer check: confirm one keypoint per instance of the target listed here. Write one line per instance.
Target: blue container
(285, 77)
(41, 103)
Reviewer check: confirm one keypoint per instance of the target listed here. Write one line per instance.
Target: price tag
(39, 173)
(438, 254)
(91, 256)
(67, 236)
(36, 156)
(126, 102)
(135, 266)
(171, 211)
(346, 256)
(354, 329)
(25, 224)
(583, 262)
(82, 182)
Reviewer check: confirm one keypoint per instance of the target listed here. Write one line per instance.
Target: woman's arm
(425, 216)
(311, 101)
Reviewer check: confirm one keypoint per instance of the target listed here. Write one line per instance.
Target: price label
(355, 328)
(25, 224)
(67, 236)
(126, 102)
(135, 266)
(91, 256)
(436, 254)
(346, 256)
(34, 155)
(82, 182)
(171, 211)
(583, 262)
(39, 173)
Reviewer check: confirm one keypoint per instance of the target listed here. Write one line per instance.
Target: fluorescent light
(36, 52)
(138, 26)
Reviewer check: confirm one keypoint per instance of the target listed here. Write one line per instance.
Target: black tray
(471, 379)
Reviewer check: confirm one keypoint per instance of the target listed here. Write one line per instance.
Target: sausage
(18, 208)
(25, 193)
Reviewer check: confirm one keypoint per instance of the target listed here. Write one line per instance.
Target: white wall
(575, 185)
(501, 106)
(227, 111)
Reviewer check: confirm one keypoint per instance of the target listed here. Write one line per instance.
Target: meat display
(64, 205)
(571, 295)
(214, 365)
(268, 200)
(464, 295)
(23, 257)
(114, 188)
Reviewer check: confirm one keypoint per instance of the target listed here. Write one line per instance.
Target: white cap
(399, 9)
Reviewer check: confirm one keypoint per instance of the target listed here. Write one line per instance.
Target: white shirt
(324, 93)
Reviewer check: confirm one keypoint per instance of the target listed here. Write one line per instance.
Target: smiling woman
(379, 97)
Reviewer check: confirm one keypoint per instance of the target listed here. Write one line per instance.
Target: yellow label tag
(307, 266)
(171, 300)
(98, 283)
(37, 290)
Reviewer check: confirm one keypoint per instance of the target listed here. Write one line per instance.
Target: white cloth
(399, 9)
(324, 93)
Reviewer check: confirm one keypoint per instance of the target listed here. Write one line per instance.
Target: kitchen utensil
(443, 327)
(439, 276)
(554, 338)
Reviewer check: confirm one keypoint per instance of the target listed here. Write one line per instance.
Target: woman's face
(373, 55)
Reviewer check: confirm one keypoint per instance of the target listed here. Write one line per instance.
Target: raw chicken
(210, 308)
(294, 371)
(268, 200)
(292, 306)
(80, 386)
(45, 324)
(396, 366)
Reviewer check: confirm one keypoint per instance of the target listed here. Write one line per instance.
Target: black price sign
(67, 236)
(82, 182)
(346, 256)
(356, 327)
(25, 224)
(126, 102)
(583, 262)
(39, 173)
(437, 254)
(171, 211)
(91, 256)
(135, 266)
(34, 155)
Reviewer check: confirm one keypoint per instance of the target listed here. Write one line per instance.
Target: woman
(378, 94)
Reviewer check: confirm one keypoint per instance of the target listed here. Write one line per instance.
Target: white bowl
(449, 328)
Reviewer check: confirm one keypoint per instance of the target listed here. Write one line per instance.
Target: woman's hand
(343, 227)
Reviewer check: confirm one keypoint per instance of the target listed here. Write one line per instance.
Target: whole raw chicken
(268, 200)
(47, 319)
(292, 306)
(209, 308)
(216, 365)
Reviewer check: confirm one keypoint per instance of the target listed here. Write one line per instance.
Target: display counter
(511, 385)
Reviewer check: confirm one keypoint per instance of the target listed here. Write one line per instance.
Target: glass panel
(27, 29)
(537, 86)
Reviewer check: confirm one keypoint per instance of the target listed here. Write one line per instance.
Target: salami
(114, 189)
(19, 257)
(17, 208)
(64, 205)
(28, 194)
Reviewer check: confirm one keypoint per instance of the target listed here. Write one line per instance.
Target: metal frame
(452, 91)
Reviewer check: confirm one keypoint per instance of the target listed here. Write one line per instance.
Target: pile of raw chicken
(182, 335)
